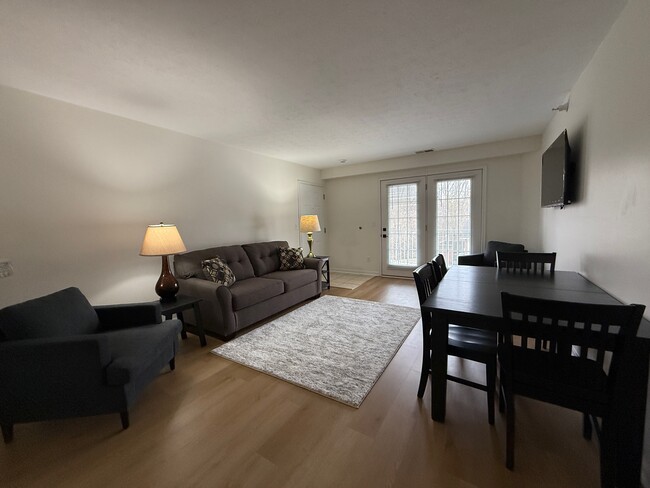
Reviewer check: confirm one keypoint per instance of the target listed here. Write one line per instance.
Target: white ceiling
(310, 81)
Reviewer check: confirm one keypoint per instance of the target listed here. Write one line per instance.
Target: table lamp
(309, 224)
(163, 240)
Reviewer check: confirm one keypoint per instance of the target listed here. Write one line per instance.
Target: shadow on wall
(577, 142)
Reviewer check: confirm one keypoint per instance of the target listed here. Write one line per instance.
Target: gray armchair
(60, 357)
(489, 257)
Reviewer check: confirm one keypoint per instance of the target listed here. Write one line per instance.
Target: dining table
(471, 296)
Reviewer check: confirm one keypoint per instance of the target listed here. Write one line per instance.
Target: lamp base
(166, 286)
(310, 241)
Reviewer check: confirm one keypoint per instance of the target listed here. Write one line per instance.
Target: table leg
(183, 331)
(439, 338)
(199, 323)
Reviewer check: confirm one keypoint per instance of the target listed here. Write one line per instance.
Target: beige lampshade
(162, 240)
(309, 223)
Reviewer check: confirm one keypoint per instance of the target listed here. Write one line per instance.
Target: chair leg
(502, 399)
(426, 365)
(8, 432)
(172, 364)
(607, 456)
(490, 381)
(510, 431)
(586, 426)
(124, 416)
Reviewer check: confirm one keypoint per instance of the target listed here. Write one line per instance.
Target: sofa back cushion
(61, 314)
(265, 256)
(490, 254)
(188, 265)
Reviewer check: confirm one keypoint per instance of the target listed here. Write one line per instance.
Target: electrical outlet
(5, 268)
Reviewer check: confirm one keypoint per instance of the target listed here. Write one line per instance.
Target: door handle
(384, 236)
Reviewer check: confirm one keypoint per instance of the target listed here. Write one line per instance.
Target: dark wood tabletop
(471, 296)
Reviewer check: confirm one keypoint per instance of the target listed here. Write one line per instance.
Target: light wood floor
(214, 423)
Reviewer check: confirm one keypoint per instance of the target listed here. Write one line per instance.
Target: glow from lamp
(163, 240)
(309, 224)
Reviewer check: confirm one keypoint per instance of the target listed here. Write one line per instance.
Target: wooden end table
(326, 271)
(185, 302)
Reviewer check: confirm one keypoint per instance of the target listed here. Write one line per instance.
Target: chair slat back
(425, 281)
(440, 266)
(526, 262)
(575, 331)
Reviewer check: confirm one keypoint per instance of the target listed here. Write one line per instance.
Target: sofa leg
(8, 432)
(172, 364)
(124, 416)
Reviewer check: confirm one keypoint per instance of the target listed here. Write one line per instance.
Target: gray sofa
(260, 289)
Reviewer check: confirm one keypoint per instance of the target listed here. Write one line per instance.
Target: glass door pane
(455, 203)
(403, 225)
(453, 218)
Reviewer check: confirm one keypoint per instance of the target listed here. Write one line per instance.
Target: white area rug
(337, 347)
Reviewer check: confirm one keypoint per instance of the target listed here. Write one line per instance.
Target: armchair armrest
(39, 377)
(112, 317)
(471, 260)
(32, 363)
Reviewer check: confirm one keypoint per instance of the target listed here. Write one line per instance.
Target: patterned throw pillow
(217, 270)
(291, 258)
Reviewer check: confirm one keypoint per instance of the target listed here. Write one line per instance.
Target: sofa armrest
(112, 317)
(471, 260)
(314, 263)
(219, 296)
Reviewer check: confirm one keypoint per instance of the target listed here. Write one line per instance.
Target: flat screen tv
(557, 173)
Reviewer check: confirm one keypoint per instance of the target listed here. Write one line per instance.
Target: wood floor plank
(215, 423)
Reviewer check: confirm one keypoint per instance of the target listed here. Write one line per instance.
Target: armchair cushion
(133, 350)
(60, 314)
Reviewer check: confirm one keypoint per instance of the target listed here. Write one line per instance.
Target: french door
(424, 216)
(403, 225)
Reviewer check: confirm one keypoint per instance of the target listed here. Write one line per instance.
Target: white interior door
(311, 201)
(403, 220)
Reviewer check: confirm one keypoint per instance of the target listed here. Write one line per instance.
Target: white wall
(354, 201)
(78, 188)
(606, 234)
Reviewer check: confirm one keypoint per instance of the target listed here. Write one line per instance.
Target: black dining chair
(578, 371)
(463, 342)
(526, 262)
(439, 266)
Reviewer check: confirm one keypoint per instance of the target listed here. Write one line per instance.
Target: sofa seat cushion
(294, 279)
(133, 350)
(63, 313)
(254, 290)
